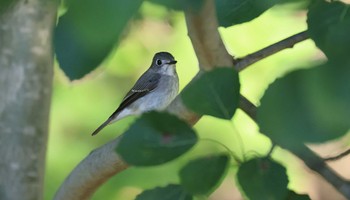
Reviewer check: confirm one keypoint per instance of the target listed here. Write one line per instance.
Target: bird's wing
(146, 83)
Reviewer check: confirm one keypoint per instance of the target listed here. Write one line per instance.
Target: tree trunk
(26, 69)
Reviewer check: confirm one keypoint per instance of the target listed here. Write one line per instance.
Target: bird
(154, 90)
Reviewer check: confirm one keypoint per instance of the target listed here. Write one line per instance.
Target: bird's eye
(159, 62)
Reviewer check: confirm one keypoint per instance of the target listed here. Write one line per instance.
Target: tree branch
(242, 63)
(95, 169)
(206, 40)
(337, 157)
(316, 163)
(26, 72)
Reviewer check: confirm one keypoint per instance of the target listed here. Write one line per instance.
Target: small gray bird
(154, 90)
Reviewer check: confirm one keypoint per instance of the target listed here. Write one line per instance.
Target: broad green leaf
(263, 179)
(214, 93)
(294, 196)
(88, 31)
(170, 192)
(231, 12)
(201, 176)
(156, 138)
(329, 26)
(310, 105)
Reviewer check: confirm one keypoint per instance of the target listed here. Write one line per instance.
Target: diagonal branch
(242, 63)
(316, 163)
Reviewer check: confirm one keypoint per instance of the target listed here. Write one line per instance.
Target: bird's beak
(172, 62)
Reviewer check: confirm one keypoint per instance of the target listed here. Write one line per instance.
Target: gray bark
(26, 69)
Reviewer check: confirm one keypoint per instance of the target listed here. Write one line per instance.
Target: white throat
(168, 70)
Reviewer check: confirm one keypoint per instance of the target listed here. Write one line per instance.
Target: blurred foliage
(218, 92)
(170, 192)
(88, 31)
(202, 175)
(180, 4)
(80, 106)
(4, 4)
(263, 179)
(329, 26)
(157, 138)
(315, 108)
(231, 12)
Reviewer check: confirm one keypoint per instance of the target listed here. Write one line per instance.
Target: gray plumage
(154, 90)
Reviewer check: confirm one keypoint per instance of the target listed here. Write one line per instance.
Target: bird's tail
(101, 126)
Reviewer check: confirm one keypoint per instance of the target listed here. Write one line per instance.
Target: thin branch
(316, 163)
(273, 147)
(242, 63)
(312, 160)
(337, 157)
(248, 107)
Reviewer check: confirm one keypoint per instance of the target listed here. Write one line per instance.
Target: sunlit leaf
(156, 138)
(329, 26)
(310, 105)
(88, 31)
(263, 178)
(170, 192)
(214, 93)
(202, 175)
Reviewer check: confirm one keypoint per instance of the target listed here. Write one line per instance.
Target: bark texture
(26, 68)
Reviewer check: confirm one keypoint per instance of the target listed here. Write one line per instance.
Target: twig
(337, 157)
(242, 63)
(271, 150)
(316, 163)
(248, 107)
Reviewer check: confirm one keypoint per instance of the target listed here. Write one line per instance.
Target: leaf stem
(237, 159)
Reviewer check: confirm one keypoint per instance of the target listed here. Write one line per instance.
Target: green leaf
(231, 12)
(88, 31)
(263, 179)
(201, 176)
(5, 4)
(170, 192)
(214, 93)
(294, 196)
(329, 27)
(156, 138)
(180, 4)
(310, 105)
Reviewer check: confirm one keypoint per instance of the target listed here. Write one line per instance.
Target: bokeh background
(79, 107)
